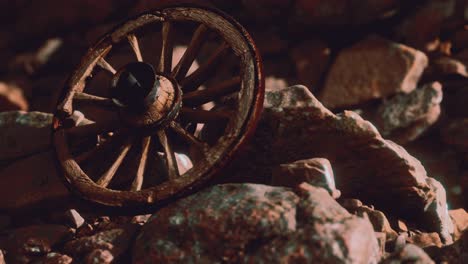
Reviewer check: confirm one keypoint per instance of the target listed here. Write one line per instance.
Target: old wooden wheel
(154, 130)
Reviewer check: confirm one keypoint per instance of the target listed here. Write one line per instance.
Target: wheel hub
(149, 99)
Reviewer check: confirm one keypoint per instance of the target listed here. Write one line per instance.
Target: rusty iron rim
(239, 128)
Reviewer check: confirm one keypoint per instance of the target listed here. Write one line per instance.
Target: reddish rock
(12, 98)
(460, 222)
(246, 223)
(454, 253)
(115, 241)
(364, 163)
(456, 133)
(405, 117)
(272, 83)
(32, 182)
(317, 172)
(32, 241)
(24, 133)
(311, 58)
(379, 221)
(371, 69)
(444, 67)
(422, 29)
(74, 218)
(424, 240)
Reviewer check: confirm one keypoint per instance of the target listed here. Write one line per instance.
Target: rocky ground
(360, 156)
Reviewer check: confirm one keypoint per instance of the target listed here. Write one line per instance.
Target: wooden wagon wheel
(149, 107)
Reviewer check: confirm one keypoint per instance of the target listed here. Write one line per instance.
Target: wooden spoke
(173, 171)
(165, 61)
(200, 97)
(105, 65)
(204, 116)
(109, 174)
(184, 134)
(132, 39)
(194, 80)
(191, 53)
(93, 129)
(138, 181)
(89, 99)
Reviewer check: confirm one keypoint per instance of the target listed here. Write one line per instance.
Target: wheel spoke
(200, 97)
(132, 39)
(93, 129)
(194, 80)
(89, 99)
(138, 181)
(204, 116)
(106, 178)
(165, 61)
(173, 171)
(105, 65)
(184, 134)
(191, 53)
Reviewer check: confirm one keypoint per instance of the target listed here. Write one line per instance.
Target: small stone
(99, 256)
(12, 98)
(75, 219)
(424, 240)
(371, 69)
(379, 221)
(402, 226)
(405, 117)
(460, 222)
(351, 204)
(316, 171)
(2, 258)
(116, 241)
(140, 219)
(273, 83)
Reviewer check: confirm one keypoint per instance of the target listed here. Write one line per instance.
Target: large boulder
(373, 68)
(248, 223)
(295, 126)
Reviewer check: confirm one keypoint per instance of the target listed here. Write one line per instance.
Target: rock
(364, 163)
(12, 98)
(405, 117)
(445, 67)
(454, 253)
(115, 241)
(248, 223)
(24, 133)
(378, 220)
(99, 256)
(424, 240)
(437, 215)
(31, 241)
(371, 69)
(422, 29)
(311, 59)
(460, 222)
(409, 254)
(2, 258)
(75, 219)
(317, 172)
(32, 183)
(456, 134)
